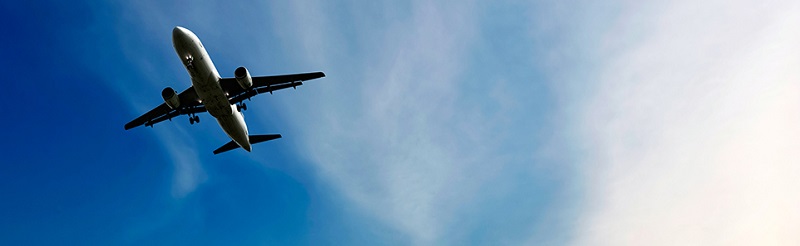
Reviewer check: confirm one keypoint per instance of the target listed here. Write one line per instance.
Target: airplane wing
(264, 84)
(189, 104)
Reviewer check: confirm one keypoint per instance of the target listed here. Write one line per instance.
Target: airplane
(221, 97)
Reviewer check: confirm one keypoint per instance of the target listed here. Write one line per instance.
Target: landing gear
(193, 119)
(241, 107)
(189, 63)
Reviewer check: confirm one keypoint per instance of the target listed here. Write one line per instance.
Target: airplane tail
(254, 139)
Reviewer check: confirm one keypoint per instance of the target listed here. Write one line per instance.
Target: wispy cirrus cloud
(394, 153)
(398, 129)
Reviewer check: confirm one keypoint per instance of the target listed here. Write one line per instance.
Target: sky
(439, 123)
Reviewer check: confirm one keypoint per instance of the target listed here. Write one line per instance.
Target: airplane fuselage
(205, 80)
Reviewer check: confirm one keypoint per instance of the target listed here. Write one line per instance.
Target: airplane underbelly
(234, 126)
(213, 97)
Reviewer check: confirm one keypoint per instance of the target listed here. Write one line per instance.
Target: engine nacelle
(171, 98)
(243, 77)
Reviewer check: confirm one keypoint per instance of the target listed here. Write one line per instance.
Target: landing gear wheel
(189, 63)
(194, 119)
(241, 107)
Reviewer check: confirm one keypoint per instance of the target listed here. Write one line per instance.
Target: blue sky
(439, 123)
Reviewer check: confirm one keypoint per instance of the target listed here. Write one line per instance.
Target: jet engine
(171, 98)
(243, 77)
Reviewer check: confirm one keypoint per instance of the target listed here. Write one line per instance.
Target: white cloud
(693, 127)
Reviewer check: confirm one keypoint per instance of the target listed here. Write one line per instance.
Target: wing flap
(159, 111)
(270, 89)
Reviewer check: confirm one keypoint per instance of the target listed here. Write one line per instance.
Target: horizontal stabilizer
(254, 139)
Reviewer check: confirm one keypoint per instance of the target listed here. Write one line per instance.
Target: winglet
(254, 139)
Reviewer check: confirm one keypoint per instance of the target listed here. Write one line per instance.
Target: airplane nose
(178, 33)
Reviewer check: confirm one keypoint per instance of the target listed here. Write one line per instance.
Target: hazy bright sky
(439, 123)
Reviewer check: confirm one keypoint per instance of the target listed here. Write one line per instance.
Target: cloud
(396, 158)
(394, 126)
(188, 172)
(691, 128)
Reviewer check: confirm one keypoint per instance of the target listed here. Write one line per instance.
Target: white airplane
(220, 97)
